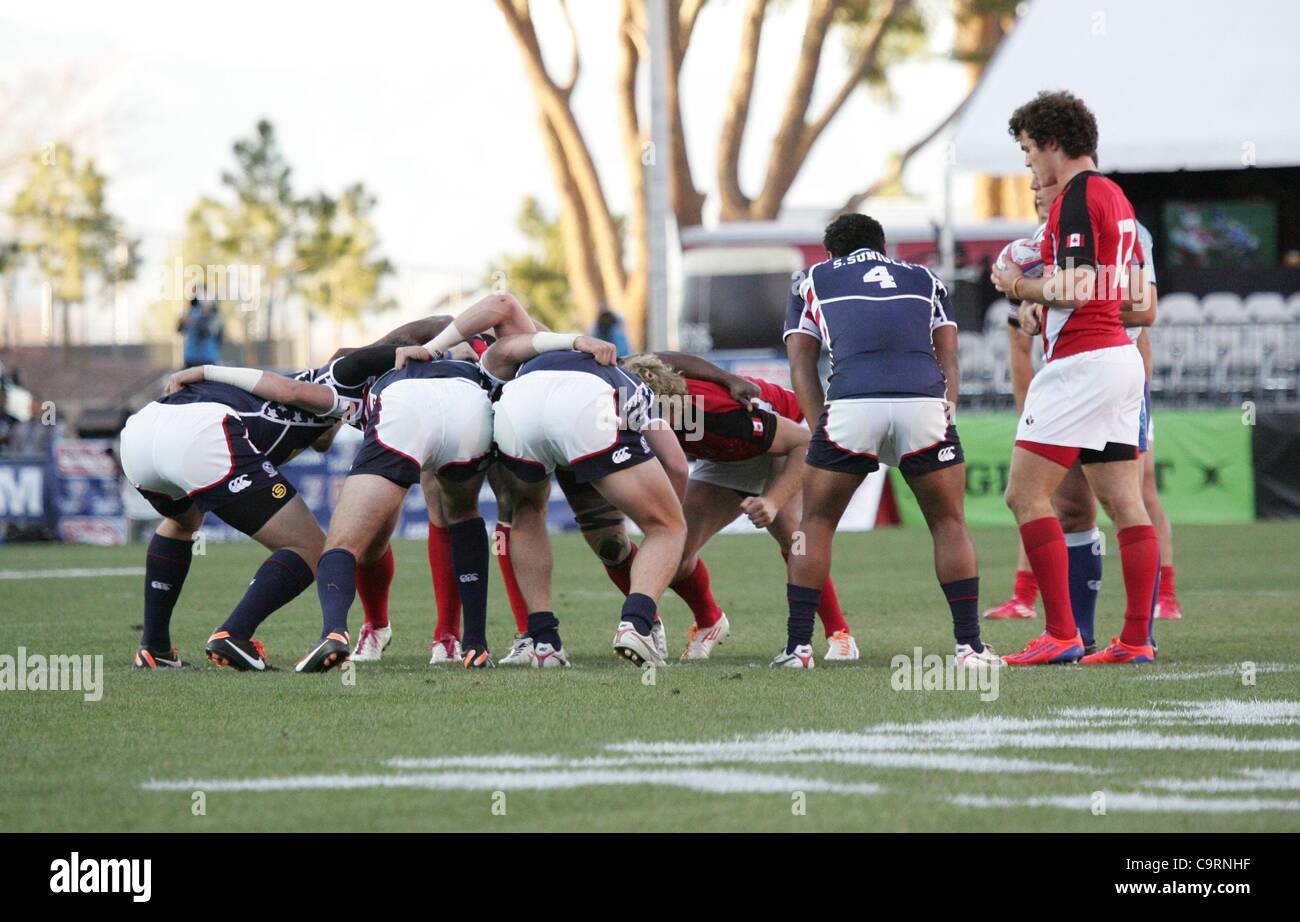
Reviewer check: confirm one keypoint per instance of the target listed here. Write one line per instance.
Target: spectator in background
(609, 327)
(8, 422)
(201, 325)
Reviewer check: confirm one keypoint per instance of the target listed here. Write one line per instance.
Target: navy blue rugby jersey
(876, 317)
(278, 431)
(637, 404)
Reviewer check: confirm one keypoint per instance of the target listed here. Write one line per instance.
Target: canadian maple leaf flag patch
(1074, 240)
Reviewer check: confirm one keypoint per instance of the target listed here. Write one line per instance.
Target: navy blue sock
(544, 627)
(336, 584)
(469, 560)
(277, 582)
(639, 611)
(803, 612)
(1083, 549)
(165, 566)
(964, 602)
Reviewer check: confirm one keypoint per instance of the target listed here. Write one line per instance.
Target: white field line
(72, 573)
(1131, 803)
(1233, 671)
(1252, 779)
(925, 761)
(706, 781)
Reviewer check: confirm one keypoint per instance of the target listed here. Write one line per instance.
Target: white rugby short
(1087, 400)
(179, 449)
(748, 476)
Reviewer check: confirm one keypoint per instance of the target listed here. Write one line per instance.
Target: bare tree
(605, 259)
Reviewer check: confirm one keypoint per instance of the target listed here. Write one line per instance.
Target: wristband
(553, 342)
(243, 378)
(1015, 284)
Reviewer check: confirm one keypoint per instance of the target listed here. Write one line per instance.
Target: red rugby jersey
(1091, 223)
(727, 431)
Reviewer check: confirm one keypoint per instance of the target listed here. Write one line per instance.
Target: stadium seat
(995, 318)
(1267, 307)
(1179, 309)
(1223, 307)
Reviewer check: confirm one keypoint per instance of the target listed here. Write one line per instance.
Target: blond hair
(664, 380)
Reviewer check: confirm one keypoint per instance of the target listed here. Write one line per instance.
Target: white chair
(1223, 307)
(1266, 307)
(1179, 309)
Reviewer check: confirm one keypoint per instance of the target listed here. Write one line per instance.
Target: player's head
(1053, 128)
(660, 378)
(852, 232)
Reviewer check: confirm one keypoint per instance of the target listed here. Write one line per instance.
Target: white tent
(1175, 84)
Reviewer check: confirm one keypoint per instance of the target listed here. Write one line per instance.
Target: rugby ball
(1025, 254)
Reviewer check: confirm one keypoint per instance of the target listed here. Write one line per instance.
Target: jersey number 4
(880, 275)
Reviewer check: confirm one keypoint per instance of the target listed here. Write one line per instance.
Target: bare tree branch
(735, 203)
(575, 61)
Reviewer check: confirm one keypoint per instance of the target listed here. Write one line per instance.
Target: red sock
(829, 610)
(1167, 582)
(696, 593)
(518, 607)
(1139, 555)
(445, 593)
(1026, 590)
(1044, 544)
(620, 574)
(373, 580)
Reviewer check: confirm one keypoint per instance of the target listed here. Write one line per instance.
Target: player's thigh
(1073, 501)
(603, 527)
(941, 493)
(826, 494)
(460, 498)
(646, 494)
(363, 512)
(708, 508)
(1032, 477)
(505, 511)
(294, 527)
(183, 525)
(432, 491)
(1118, 488)
(527, 497)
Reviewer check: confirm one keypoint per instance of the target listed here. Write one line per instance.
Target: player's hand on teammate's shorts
(1031, 318)
(411, 354)
(742, 391)
(761, 511)
(950, 412)
(603, 352)
(182, 378)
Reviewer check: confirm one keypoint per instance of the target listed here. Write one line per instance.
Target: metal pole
(658, 162)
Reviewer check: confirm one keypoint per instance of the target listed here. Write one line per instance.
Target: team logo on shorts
(1029, 420)
(947, 453)
(239, 484)
(621, 455)
(269, 468)
(645, 446)
(279, 491)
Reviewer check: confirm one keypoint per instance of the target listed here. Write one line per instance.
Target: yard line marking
(1233, 671)
(1134, 803)
(1252, 779)
(928, 761)
(709, 782)
(72, 572)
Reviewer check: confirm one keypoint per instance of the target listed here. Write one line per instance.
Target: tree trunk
(734, 202)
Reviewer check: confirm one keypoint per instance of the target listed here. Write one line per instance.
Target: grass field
(728, 745)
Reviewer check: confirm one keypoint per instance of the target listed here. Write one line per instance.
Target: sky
(427, 103)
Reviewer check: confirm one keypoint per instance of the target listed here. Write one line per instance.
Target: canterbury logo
(947, 453)
(469, 577)
(239, 483)
(164, 587)
(621, 455)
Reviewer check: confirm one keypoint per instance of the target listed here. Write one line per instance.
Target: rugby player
(561, 408)
(748, 446)
(1085, 404)
(892, 398)
(428, 415)
(1073, 501)
(214, 443)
